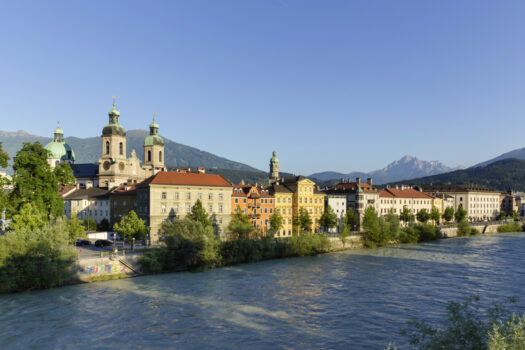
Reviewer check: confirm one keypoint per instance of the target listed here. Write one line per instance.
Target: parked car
(82, 242)
(103, 243)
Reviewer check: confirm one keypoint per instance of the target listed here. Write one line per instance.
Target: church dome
(60, 150)
(113, 127)
(154, 140)
(274, 159)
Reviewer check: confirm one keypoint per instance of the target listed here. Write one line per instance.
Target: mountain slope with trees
(501, 175)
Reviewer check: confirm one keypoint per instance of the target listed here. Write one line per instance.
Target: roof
(262, 191)
(190, 179)
(60, 150)
(457, 188)
(279, 189)
(92, 192)
(84, 170)
(347, 187)
(124, 190)
(404, 193)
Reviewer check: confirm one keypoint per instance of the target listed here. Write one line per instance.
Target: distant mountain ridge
(88, 150)
(407, 167)
(516, 154)
(501, 175)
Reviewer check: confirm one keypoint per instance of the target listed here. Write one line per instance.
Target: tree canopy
(329, 218)
(198, 213)
(131, 226)
(240, 224)
(276, 222)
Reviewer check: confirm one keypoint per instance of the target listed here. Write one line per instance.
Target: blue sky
(330, 85)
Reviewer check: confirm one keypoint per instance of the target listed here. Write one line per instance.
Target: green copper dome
(113, 127)
(154, 138)
(60, 150)
(113, 111)
(154, 124)
(58, 130)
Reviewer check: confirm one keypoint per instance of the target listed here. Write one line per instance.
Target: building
(122, 200)
(481, 203)
(337, 201)
(396, 199)
(359, 196)
(168, 195)
(59, 150)
(115, 168)
(283, 205)
(88, 203)
(254, 201)
(508, 203)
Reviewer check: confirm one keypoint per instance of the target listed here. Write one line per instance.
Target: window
(210, 208)
(199, 195)
(271, 210)
(220, 196)
(210, 196)
(177, 196)
(289, 200)
(220, 208)
(244, 200)
(107, 147)
(278, 211)
(176, 208)
(236, 200)
(121, 148)
(149, 156)
(163, 195)
(160, 156)
(188, 208)
(163, 208)
(188, 195)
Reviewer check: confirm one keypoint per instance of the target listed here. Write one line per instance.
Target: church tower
(274, 169)
(112, 163)
(59, 150)
(154, 149)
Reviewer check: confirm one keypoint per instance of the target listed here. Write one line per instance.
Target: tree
(90, 224)
(4, 157)
(373, 234)
(305, 222)
(276, 222)
(198, 213)
(240, 224)
(75, 229)
(423, 216)
(460, 213)
(104, 225)
(501, 215)
(515, 215)
(435, 215)
(406, 216)
(29, 218)
(64, 174)
(131, 226)
(350, 219)
(34, 182)
(329, 218)
(448, 215)
(390, 226)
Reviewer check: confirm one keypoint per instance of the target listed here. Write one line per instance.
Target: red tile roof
(352, 186)
(405, 193)
(190, 179)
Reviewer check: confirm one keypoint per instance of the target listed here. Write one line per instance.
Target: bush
(35, 259)
(409, 235)
(468, 326)
(513, 226)
(464, 229)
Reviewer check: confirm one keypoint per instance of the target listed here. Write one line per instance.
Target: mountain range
(517, 154)
(407, 167)
(500, 175)
(87, 150)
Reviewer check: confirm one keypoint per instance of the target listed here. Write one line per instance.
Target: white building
(337, 201)
(481, 203)
(396, 199)
(88, 203)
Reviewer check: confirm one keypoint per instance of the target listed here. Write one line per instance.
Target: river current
(357, 299)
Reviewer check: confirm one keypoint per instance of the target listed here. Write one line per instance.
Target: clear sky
(330, 85)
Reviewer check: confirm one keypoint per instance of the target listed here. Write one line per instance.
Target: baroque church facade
(114, 167)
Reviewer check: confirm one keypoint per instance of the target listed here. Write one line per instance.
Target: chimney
(89, 184)
(201, 170)
(357, 180)
(369, 180)
(342, 180)
(397, 187)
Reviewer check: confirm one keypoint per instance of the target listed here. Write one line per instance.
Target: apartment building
(87, 203)
(397, 198)
(254, 201)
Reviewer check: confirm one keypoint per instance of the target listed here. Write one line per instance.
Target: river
(358, 299)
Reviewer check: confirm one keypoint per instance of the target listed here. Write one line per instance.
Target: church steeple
(58, 135)
(274, 168)
(154, 147)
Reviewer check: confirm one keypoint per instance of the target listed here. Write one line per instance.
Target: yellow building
(293, 194)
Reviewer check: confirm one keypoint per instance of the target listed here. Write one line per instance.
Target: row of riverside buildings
(118, 183)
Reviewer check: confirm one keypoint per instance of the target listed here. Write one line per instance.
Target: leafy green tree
(240, 225)
(276, 222)
(75, 229)
(64, 174)
(198, 213)
(329, 218)
(350, 219)
(373, 232)
(515, 215)
(104, 225)
(501, 215)
(435, 215)
(423, 216)
(90, 224)
(390, 226)
(406, 216)
(29, 217)
(448, 215)
(131, 226)
(509, 334)
(34, 182)
(460, 214)
(4, 157)
(305, 222)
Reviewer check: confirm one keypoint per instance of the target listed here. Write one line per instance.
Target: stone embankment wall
(92, 269)
(351, 242)
(452, 231)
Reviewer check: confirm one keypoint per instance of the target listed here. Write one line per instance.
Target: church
(114, 168)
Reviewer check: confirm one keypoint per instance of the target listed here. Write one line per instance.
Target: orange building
(256, 202)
